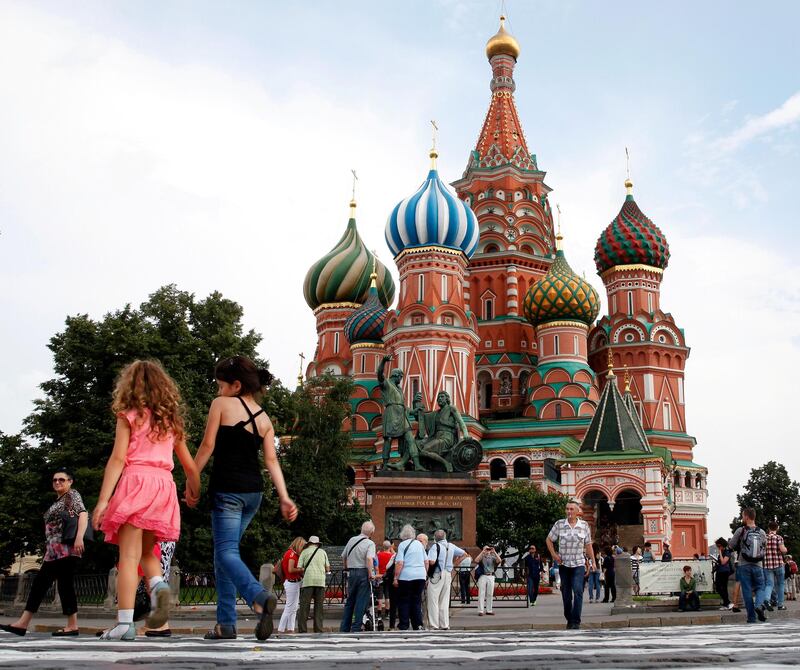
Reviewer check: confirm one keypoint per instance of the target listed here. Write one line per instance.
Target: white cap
(313, 540)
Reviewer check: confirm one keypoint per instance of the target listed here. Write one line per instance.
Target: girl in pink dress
(144, 508)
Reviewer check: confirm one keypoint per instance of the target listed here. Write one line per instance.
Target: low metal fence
(510, 587)
(89, 589)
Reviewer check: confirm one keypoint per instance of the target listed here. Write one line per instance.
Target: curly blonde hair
(146, 385)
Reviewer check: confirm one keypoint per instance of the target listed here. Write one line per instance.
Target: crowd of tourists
(138, 510)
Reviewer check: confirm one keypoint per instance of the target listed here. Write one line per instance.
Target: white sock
(125, 619)
(155, 580)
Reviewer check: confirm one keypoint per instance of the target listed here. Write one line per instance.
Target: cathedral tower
(505, 188)
(432, 333)
(335, 286)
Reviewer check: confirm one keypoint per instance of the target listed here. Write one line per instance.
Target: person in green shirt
(314, 565)
(688, 598)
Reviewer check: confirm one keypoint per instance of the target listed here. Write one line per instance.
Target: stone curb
(621, 622)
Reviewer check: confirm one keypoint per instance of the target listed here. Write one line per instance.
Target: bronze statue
(440, 430)
(395, 420)
(442, 437)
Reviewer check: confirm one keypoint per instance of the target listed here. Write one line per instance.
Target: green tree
(315, 460)
(73, 423)
(22, 471)
(517, 515)
(774, 496)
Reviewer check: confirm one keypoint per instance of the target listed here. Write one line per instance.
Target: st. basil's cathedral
(490, 311)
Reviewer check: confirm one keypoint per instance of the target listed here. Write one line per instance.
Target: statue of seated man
(439, 431)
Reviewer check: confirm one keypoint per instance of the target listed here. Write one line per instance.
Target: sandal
(128, 636)
(221, 632)
(61, 632)
(158, 633)
(159, 613)
(15, 630)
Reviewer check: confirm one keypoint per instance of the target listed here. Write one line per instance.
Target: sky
(210, 145)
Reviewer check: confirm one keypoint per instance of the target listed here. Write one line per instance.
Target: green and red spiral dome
(631, 239)
(365, 325)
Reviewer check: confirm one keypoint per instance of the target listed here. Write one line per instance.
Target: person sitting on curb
(688, 598)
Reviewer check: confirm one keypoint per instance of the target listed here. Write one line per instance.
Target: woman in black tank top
(236, 488)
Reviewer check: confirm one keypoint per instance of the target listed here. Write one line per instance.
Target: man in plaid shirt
(574, 543)
(773, 567)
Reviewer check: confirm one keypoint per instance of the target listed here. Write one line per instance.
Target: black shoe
(66, 633)
(760, 614)
(265, 625)
(220, 632)
(768, 606)
(781, 608)
(736, 610)
(14, 630)
(159, 633)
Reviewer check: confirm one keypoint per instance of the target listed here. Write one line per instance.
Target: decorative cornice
(366, 345)
(421, 250)
(567, 322)
(632, 268)
(336, 305)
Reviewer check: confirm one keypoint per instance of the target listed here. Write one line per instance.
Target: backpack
(751, 544)
(793, 567)
(277, 570)
(434, 567)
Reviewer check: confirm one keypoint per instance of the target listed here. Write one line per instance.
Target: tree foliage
(22, 474)
(774, 496)
(517, 515)
(315, 460)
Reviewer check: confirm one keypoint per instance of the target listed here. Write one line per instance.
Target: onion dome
(432, 216)
(561, 295)
(502, 43)
(631, 239)
(343, 274)
(365, 325)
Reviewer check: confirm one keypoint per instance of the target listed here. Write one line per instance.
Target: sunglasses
(60, 480)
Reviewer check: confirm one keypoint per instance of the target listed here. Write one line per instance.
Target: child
(688, 597)
(237, 429)
(144, 507)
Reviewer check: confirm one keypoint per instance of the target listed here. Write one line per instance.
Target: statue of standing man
(395, 420)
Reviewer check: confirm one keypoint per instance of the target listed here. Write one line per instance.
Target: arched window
(497, 470)
(491, 249)
(522, 468)
(698, 481)
(688, 481)
(558, 410)
(350, 476)
(677, 480)
(488, 309)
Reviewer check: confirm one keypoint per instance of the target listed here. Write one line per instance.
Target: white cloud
(784, 116)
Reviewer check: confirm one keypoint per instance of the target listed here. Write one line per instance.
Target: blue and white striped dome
(433, 216)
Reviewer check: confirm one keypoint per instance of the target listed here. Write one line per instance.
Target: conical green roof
(616, 426)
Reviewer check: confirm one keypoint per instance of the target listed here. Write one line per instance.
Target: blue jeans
(533, 587)
(751, 578)
(357, 599)
(231, 513)
(572, 592)
(774, 578)
(594, 585)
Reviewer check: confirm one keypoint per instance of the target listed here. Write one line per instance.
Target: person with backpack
(440, 579)
(790, 576)
(313, 563)
(750, 542)
(358, 560)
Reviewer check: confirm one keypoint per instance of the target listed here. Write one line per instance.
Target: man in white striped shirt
(574, 541)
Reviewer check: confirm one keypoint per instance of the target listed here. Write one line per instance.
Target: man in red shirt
(384, 556)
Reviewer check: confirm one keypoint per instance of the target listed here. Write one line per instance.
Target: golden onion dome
(502, 43)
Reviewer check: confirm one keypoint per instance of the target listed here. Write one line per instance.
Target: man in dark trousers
(533, 573)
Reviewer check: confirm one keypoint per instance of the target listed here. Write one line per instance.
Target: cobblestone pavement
(764, 645)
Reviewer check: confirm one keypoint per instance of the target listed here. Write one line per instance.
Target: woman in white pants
(488, 560)
(291, 585)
